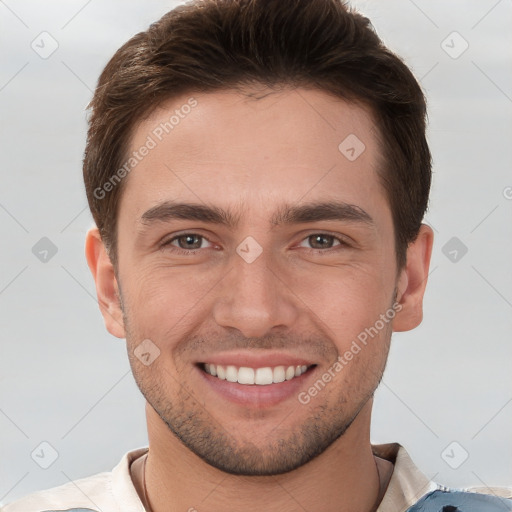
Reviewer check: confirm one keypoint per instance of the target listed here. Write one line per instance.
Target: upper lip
(254, 360)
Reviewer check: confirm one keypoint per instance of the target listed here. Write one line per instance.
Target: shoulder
(463, 500)
(76, 496)
(111, 491)
(410, 490)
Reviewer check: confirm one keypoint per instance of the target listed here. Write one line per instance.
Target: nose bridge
(253, 300)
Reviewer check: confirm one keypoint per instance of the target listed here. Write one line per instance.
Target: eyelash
(188, 252)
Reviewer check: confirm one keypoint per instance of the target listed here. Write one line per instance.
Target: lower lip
(255, 395)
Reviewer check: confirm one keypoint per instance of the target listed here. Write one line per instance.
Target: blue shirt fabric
(460, 501)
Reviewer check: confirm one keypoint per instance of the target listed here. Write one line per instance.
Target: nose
(254, 298)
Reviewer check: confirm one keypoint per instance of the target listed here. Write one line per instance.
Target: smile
(254, 376)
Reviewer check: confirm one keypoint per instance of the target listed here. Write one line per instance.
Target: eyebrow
(285, 215)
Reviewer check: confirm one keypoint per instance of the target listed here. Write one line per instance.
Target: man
(258, 173)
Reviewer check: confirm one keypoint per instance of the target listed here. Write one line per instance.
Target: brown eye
(186, 243)
(322, 241)
(189, 241)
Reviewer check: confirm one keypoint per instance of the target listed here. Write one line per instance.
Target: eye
(186, 242)
(322, 241)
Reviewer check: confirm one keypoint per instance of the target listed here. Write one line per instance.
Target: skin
(298, 298)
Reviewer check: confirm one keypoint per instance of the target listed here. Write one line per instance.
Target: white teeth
(263, 376)
(231, 374)
(260, 376)
(221, 374)
(246, 376)
(290, 373)
(279, 375)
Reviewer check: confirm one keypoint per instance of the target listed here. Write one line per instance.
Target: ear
(107, 289)
(413, 280)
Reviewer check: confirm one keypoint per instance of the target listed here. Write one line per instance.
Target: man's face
(272, 280)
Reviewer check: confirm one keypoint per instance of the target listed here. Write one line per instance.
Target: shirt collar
(407, 484)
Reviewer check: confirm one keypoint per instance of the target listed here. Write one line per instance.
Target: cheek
(165, 301)
(345, 301)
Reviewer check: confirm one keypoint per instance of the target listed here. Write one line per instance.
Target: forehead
(222, 147)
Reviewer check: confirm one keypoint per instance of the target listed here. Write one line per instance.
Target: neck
(343, 478)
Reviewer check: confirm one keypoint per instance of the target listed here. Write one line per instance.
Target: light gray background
(66, 381)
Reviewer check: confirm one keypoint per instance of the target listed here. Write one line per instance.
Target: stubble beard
(286, 450)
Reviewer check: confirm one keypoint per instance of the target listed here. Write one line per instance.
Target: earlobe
(107, 289)
(413, 280)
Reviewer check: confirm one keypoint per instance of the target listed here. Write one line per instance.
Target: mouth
(256, 383)
(263, 376)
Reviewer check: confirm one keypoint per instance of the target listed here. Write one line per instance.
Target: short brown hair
(209, 45)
